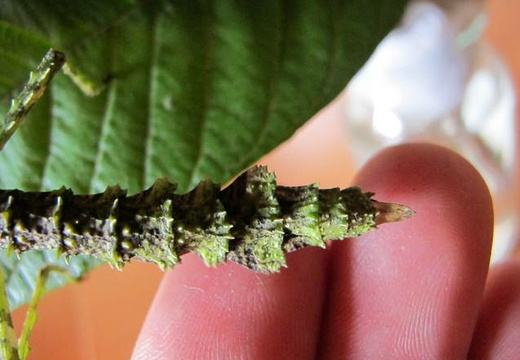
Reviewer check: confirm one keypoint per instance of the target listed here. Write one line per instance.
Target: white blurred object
(433, 79)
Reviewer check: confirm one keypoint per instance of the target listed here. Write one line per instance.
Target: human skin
(410, 290)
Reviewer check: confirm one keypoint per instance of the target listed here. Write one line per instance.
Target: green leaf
(184, 89)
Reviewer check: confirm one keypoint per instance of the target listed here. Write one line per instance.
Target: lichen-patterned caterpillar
(251, 222)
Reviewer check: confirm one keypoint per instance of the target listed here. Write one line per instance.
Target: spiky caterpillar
(252, 222)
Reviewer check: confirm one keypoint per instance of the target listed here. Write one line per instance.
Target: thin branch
(33, 90)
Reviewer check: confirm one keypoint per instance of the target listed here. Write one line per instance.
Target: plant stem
(33, 90)
(8, 342)
(31, 317)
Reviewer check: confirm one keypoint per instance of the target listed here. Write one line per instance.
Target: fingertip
(429, 173)
(450, 198)
(412, 289)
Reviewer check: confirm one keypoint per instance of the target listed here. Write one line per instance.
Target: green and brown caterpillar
(252, 222)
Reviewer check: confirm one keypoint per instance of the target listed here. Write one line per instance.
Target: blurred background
(447, 75)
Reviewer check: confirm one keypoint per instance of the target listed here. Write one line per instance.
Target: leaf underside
(187, 90)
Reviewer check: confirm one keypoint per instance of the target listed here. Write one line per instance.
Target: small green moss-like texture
(252, 222)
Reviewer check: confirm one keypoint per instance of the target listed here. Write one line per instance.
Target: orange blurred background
(101, 317)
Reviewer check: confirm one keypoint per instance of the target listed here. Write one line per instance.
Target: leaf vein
(209, 62)
(105, 119)
(272, 83)
(152, 75)
(331, 59)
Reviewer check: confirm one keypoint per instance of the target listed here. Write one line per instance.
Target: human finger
(412, 290)
(233, 313)
(497, 334)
